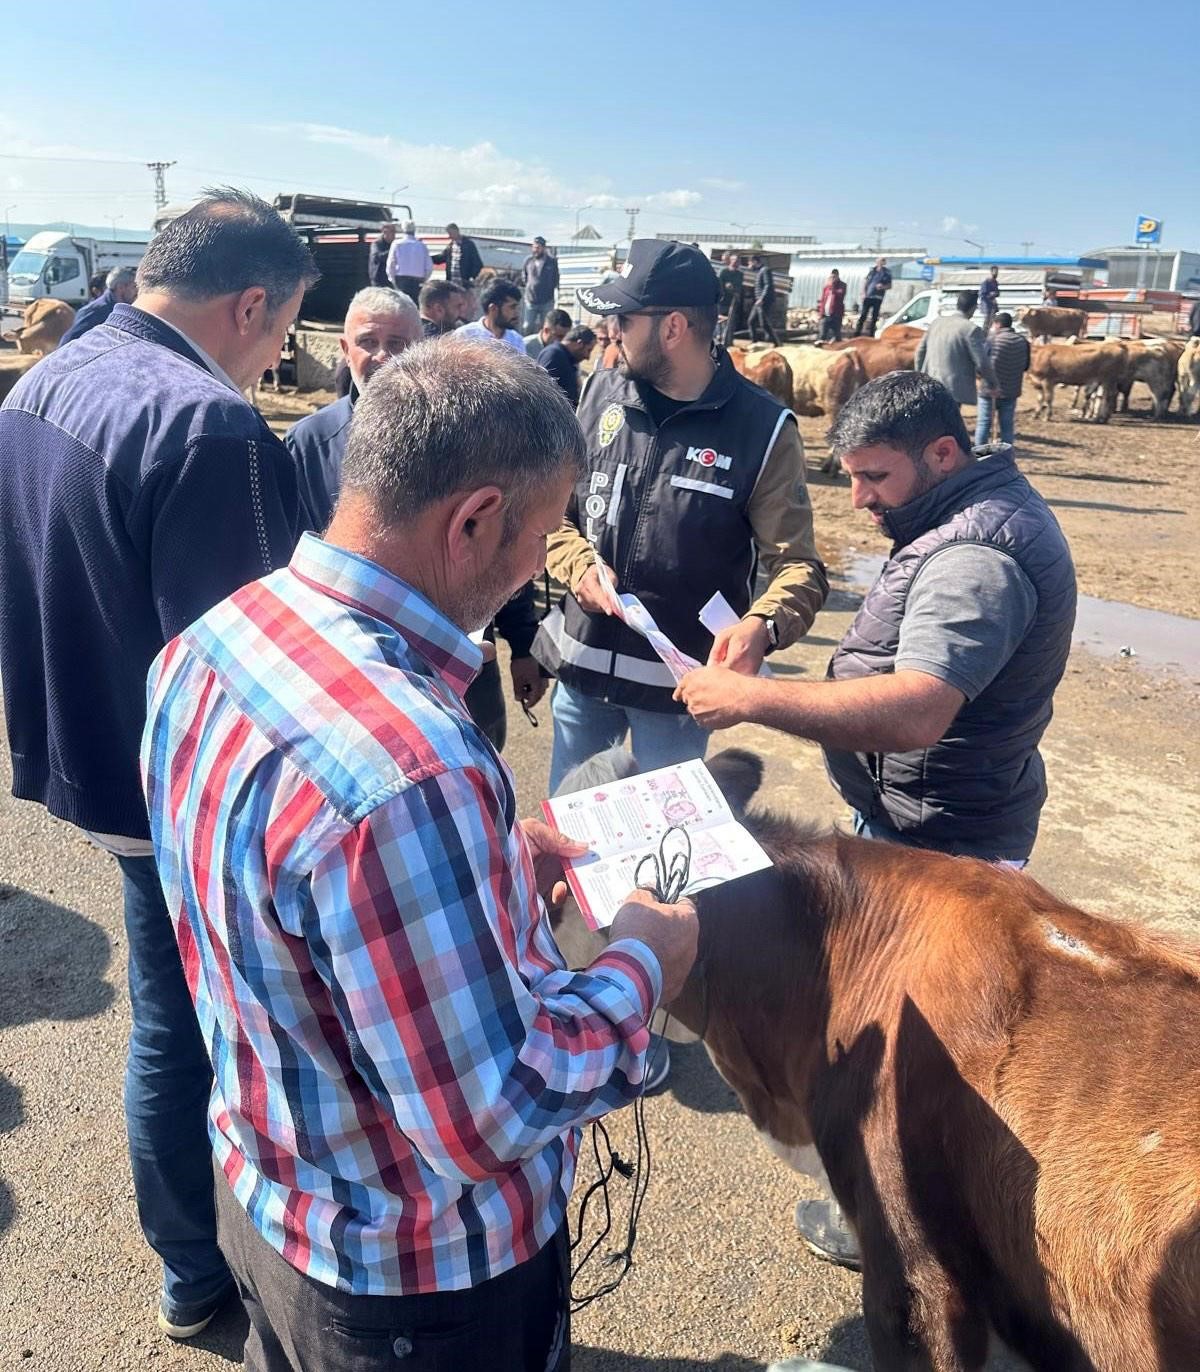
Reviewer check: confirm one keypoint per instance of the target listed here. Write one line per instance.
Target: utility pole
(632, 211)
(160, 183)
(1026, 244)
(879, 230)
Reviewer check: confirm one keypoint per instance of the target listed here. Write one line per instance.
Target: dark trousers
(410, 285)
(517, 1322)
(733, 321)
(485, 700)
(868, 316)
(168, 1078)
(759, 319)
(831, 328)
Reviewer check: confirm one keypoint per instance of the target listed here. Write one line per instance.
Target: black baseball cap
(656, 275)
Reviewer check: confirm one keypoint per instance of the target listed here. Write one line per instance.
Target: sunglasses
(623, 319)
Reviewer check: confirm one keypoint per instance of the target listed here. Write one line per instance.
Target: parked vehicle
(56, 266)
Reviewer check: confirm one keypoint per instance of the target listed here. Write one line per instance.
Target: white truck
(1019, 287)
(56, 266)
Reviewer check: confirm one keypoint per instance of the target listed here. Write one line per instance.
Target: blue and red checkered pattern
(402, 1058)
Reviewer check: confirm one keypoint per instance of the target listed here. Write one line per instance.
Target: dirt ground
(720, 1279)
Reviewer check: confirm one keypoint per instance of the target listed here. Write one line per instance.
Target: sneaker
(826, 1234)
(658, 1065)
(186, 1321)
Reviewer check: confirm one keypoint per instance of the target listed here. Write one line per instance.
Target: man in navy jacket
(120, 289)
(138, 488)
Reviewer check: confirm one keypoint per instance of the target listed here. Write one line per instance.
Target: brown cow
(45, 322)
(769, 370)
(1066, 364)
(1002, 1088)
(895, 332)
(881, 355)
(1052, 321)
(13, 367)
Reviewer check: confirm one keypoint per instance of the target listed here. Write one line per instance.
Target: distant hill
(26, 231)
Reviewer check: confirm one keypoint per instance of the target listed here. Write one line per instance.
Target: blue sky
(1043, 122)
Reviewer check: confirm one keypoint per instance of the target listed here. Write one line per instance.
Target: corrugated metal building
(1154, 269)
(811, 263)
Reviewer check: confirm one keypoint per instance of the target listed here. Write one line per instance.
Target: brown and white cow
(43, 326)
(1187, 376)
(1052, 321)
(1084, 364)
(770, 370)
(1003, 1089)
(822, 381)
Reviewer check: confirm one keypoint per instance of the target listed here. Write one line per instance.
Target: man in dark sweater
(139, 488)
(380, 324)
(120, 289)
(876, 286)
(378, 260)
(764, 298)
(939, 692)
(1010, 355)
(562, 360)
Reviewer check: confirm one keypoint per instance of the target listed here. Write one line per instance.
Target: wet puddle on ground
(1108, 628)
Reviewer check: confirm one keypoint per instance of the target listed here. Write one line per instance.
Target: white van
(56, 266)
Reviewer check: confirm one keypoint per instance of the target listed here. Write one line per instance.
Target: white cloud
(952, 224)
(719, 183)
(481, 175)
(673, 200)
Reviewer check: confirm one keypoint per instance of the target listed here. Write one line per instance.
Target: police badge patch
(610, 423)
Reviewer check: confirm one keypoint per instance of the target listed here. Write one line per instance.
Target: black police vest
(667, 509)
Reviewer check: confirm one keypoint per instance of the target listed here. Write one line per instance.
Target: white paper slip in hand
(716, 614)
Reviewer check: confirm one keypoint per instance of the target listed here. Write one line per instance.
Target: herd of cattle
(816, 379)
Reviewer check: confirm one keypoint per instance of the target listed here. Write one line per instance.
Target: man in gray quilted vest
(939, 693)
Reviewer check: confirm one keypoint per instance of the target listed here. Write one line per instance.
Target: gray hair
(121, 276)
(410, 226)
(382, 300)
(454, 415)
(226, 243)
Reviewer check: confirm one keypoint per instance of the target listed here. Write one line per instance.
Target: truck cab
(56, 266)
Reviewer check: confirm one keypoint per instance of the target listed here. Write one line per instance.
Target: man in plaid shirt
(402, 1058)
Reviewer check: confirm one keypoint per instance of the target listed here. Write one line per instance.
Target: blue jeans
(168, 1078)
(1006, 409)
(584, 726)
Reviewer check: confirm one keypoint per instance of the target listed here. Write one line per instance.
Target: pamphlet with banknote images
(624, 821)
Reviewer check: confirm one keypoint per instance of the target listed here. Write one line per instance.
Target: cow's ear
(738, 773)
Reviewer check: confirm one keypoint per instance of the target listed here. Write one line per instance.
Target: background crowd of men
(359, 1062)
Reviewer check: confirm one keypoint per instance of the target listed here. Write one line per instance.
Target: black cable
(669, 880)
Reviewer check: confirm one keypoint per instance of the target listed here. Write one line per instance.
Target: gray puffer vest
(980, 790)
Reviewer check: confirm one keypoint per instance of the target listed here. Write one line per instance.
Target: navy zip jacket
(136, 491)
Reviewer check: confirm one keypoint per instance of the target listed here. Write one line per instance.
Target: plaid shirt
(401, 1056)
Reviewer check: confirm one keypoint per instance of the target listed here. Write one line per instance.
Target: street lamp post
(13, 206)
(980, 248)
(114, 220)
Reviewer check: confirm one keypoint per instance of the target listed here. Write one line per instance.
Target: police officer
(696, 476)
